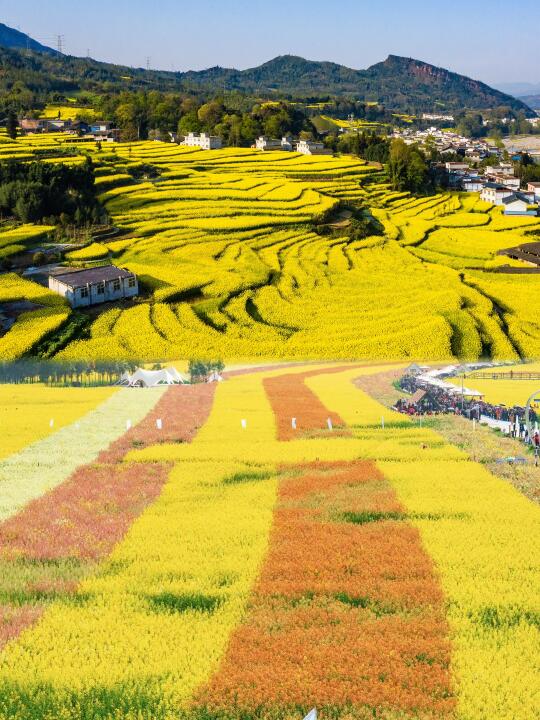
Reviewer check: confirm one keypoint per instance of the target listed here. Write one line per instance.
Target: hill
(15, 39)
(402, 84)
(398, 82)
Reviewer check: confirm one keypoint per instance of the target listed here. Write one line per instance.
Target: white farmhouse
(265, 143)
(494, 193)
(519, 204)
(473, 184)
(93, 286)
(508, 181)
(506, 169)
(308, 147)
(203, 141)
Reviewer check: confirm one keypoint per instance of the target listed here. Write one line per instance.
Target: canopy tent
(152, 378)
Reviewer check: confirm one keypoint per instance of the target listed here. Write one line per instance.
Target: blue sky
(485, 39)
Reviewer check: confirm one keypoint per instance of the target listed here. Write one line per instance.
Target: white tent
(152, 378)
(215, 377)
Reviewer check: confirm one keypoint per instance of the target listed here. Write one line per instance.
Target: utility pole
(60, 44)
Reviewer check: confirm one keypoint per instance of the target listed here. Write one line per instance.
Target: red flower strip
(345, 614)
(56, 540)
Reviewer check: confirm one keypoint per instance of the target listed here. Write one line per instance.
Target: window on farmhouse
(84, 292)
(116, 285)
(131, 282)
(101, 289)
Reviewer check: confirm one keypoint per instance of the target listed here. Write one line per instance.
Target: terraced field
(228, 249)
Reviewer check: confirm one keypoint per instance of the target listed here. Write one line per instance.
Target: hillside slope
(15, 39)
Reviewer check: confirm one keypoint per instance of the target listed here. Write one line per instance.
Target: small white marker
(128, 424)
(382, 422)
(244, 424)
(293, 423)
(329, 423)
(51, 423)
(159, 424)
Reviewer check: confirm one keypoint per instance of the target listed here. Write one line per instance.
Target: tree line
(73, 373)
(50, 193)
(235, 118)
(88, 374)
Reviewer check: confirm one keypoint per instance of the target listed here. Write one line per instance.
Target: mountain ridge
(399, 83)
(391, 79)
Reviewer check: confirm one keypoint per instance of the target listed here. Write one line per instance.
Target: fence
(506, 376)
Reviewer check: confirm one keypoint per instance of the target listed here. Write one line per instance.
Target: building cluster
(287, 144)
(97, 130)
(450, 143)
(497, 185)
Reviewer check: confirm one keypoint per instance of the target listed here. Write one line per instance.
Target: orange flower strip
(56, 540)
(291, 398)
(347, 614)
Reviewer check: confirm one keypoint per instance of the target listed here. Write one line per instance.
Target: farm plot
(220, 569)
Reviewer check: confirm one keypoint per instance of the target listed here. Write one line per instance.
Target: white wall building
(519, 204)
(508, 181)
(506, 169)
(93, 286)
(308, 147)
(203, 141)
(265, 143)
(495, 194)
(473, 184)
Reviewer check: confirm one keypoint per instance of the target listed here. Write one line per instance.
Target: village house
(265, 143)
(43, 125)
(494, 193)
(308, 147)
(508, 181)
(473, 184)
(506, 169)
(520, 204)
(104, 130)
(457, 166)
(202, 141)
(93, 286)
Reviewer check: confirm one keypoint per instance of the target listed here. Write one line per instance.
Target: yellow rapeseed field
(26, 411)
(236, 258)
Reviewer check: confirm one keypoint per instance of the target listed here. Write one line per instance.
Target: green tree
(407, 168)
(12, 124)
(189, 123)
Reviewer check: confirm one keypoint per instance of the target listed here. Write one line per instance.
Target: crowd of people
(428, 399)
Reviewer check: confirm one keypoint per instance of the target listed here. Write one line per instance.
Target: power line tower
(148, 59)
(60, 43)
